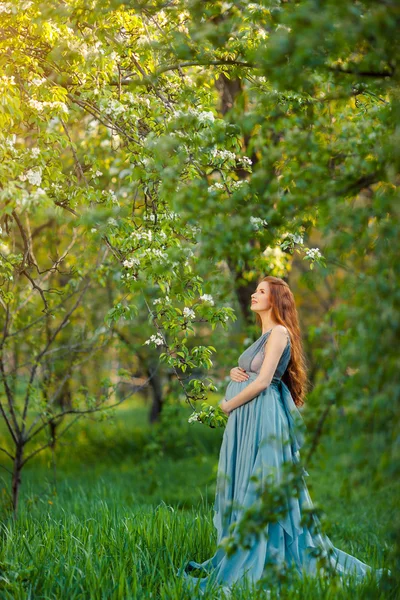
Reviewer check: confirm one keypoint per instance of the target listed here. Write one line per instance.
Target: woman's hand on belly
(238, 374)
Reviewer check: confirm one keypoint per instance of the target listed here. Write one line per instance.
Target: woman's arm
(274, 348)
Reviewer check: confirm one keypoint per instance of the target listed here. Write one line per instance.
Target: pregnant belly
(234, 387)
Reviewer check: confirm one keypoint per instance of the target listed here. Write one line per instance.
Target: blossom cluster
(6, 7)
(142, 235)
(156, 339)
(207, 298)
(34, 176)
(10, 141)
(245, 160)
(204, 117)
(238, 184)
(129, 276)
(188, 312)
(193, 417)
(216, 186)
(224, 154)
(131, 262)
(111, 194)
(159, 300)
(113, 107)
(40, 106)
(5, 80)
(37, 81)
(258, 223)
(232, 185)
(313, 253)
(158, 253)
(167, 216)
(296, 238)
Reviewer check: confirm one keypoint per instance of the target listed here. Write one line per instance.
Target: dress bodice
(252, 358)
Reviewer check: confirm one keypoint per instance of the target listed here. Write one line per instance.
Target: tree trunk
(156, 391)
(16, 478)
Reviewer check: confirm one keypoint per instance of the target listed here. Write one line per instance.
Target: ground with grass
(121, 508)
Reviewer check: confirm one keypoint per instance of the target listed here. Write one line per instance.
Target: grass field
(122, 509)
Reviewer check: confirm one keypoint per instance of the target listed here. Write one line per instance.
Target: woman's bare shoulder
(280, 331)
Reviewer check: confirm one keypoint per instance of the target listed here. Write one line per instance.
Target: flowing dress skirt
(260, 438)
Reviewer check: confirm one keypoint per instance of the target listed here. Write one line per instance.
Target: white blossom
(4, 249)
(35, 152)
(216, 186)
(131, 262)
(224, 154)
(158, 252)
(297, 238)
(172, 216)
(188, 312)
(252, 7)
(142, 235)
(112, 195)
(157, 339)
(141, 40)
(313, 253)
(8, 79)
(10, 141)
(207, 298)
(129, 276)
(257, 222)
(34, 176)
(40, 106)
(206, 117)
(238, 184)
(5, 7)
(38, 81)
(159, 300)
(193, 417)
(114, 107)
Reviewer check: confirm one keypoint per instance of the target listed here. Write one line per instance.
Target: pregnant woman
(263, 435)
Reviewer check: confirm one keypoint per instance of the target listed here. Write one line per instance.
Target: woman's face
(260, 298)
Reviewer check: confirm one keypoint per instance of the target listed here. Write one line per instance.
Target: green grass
(123, 509)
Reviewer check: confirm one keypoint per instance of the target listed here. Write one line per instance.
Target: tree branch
(50, 341)
(6, 452)
(377, 74)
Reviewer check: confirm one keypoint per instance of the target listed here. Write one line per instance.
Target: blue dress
(260, 437)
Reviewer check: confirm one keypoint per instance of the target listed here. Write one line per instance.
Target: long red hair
(284, 311)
